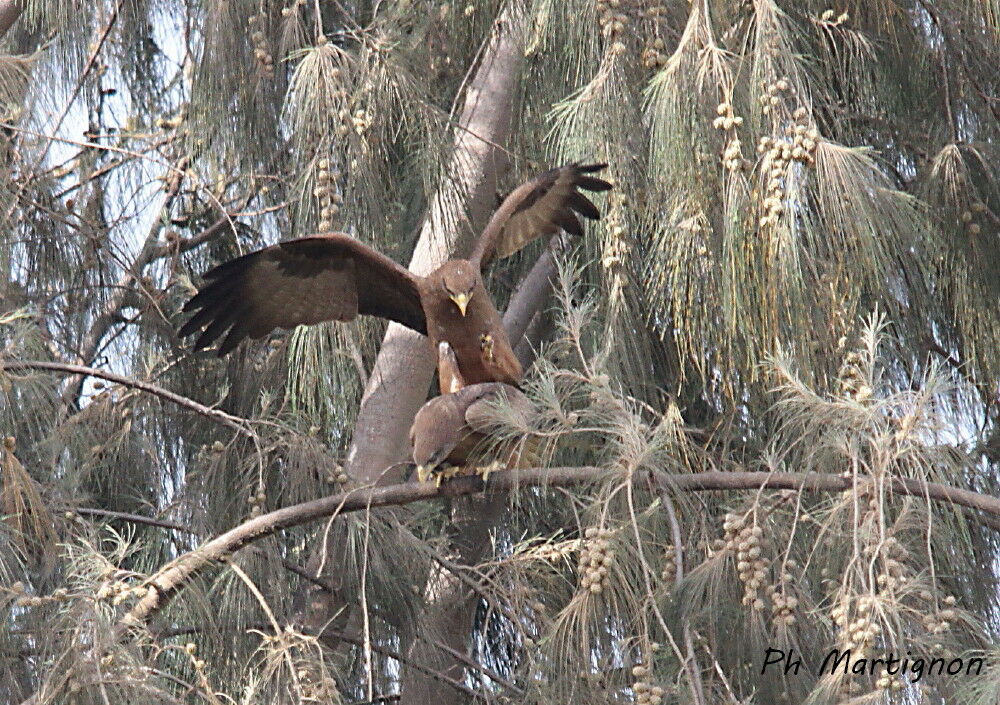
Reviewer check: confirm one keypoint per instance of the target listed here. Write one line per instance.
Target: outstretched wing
(542, 206)
(329, 277)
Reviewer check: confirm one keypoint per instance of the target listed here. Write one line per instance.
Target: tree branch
(179, 572)
(531, 295)
(221, 226)
(81, 371)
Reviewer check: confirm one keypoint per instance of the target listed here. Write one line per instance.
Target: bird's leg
(445, 472)
(485, 470)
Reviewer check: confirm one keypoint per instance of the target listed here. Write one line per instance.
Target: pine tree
(765, 381)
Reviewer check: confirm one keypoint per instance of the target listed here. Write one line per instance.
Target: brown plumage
(333, 277)
(448, 433)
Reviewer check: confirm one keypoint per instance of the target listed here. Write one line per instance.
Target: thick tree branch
(178, 573)
(531, 295)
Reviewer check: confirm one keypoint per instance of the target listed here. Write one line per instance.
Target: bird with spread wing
(449, 435)
(334, 277)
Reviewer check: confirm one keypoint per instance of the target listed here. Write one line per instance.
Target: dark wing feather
(330, 277)
(542, 206)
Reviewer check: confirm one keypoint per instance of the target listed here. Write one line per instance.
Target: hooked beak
(461, 300)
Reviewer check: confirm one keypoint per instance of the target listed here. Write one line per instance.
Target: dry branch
(82, 372)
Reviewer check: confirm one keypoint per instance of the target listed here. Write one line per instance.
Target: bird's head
(426, 472)
(429, 459)
(459, 279)
(430, 439)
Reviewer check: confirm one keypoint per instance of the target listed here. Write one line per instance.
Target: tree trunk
(398, 384)
(451, 607)
(10, 10)
(400, 378)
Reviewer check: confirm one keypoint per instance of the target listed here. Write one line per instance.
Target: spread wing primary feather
(542, 206)
(330, 277)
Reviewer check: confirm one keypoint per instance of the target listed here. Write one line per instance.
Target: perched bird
(333, 277)
(449, 432)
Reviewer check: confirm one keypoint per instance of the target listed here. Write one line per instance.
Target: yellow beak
(462, 301)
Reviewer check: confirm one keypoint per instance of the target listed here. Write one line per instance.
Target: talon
(485, 470)
(486, 345)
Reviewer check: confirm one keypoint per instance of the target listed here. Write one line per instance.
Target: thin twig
(269, 613)
(678, 538)
(326, 635)
(228, 420)
(385, 651)
(489, 673)
(459, 572)
(91, 62)
(162, 524)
